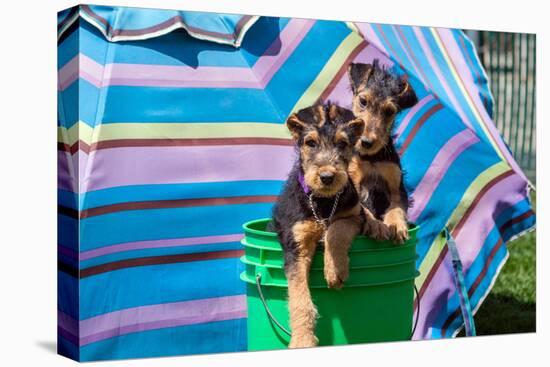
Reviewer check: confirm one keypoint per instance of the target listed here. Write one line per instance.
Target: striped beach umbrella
(171, 136)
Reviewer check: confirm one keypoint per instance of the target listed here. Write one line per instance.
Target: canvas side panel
(80, 101)
(67, 187)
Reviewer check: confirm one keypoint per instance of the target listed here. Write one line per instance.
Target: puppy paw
(303, 341)
(377, 230)
(399, 232)
(336, 275)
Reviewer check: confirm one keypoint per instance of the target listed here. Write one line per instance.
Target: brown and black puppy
(318, 202)
(378, 95)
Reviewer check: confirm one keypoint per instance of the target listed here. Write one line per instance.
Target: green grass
(511, 305)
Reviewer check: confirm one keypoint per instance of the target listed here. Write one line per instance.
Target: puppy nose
(327, 177)
(366, 142)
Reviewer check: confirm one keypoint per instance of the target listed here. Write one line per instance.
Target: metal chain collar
(322, 221)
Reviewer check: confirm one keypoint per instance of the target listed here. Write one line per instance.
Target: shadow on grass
(505, 315)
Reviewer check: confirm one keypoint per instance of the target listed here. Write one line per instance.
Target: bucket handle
(417, 311)
(283, 329)
(267, 310)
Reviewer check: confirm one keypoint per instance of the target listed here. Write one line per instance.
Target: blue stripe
(80, 102)
(67, 199)
(176, 250)
(173, 105)
(227, 104)
(155, 284)
(214, 337)
(480, 261)
(123, 194)
(212, 22)
(414, 120)
(154, 224)
(300, 70)
(127, 18)
(69, 48)
(62, 15)
(447, 73)
(67, 349)
(480, 291)
(470, 276)
(132, 18)
(67, 232)
(425, 66)
(67, 294)
(161, 50)
(519, 227)
(389, 32)
(68, 106)
(428, 141)
(217, 104)
(513, 212)
(260, 37)
(67, 260)
(475, 68)
(450, 191)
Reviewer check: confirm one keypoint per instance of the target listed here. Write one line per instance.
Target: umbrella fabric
(170, 141)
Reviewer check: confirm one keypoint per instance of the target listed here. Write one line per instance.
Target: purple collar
(302, 182)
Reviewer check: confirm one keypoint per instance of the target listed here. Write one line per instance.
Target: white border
(29, 158)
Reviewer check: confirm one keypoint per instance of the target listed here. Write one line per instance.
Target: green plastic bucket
(375, 304)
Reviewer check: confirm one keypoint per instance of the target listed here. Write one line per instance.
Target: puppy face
(378, 95)
(325, 136)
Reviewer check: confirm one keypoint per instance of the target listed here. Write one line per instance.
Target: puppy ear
(359, 73)
(356, 128)
(295, 126)
(407, 97)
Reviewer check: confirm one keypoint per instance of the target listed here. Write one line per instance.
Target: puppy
(318, 202)
(378, 95)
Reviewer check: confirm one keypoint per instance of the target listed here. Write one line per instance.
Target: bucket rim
(246, 227)
(404, 246)
(245, 261)
(413, 228)
(245, 279)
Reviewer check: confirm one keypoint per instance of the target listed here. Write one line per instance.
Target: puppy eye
(363, 102)
(311, 143)
(342, 145)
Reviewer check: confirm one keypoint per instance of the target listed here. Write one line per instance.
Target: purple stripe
(410, 59)
(435, 66)
(256, 77)
(412, 112)
(438, 168)
(370, 35)
(67, 335)
(65, 178)
(176, 242)
(289, 39)
(182, 321)
(469, 241)
(179, 76)
(188, 83)
(82, 167)
(67, 323)
(164, 165)
(65, 251)
(80, 66)
(494, 204)
(465, 75)
(162, 316)
(68, 73)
